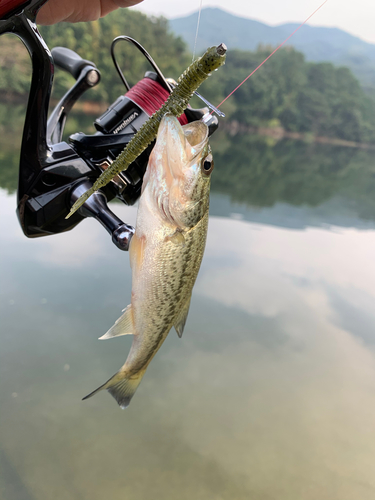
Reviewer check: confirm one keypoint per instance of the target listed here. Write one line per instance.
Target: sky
(356, 17)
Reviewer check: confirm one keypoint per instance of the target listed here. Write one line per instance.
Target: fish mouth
(181, 144)
(196, 134)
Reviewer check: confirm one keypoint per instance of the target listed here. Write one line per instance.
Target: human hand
(75, 11)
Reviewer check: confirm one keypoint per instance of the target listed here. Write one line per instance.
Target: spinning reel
(53, 173)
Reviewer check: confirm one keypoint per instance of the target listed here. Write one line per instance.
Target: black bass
(166, 250)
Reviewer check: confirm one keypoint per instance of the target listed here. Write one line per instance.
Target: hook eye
(211, 106)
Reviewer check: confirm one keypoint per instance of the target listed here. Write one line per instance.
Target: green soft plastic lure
(176, 104)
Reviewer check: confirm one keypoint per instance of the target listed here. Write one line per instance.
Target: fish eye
(208, 165)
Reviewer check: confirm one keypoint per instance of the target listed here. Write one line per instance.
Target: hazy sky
(356, 17)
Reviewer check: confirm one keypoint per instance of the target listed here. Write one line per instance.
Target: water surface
(270, 392)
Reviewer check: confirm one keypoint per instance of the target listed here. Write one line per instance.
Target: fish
(166, 249)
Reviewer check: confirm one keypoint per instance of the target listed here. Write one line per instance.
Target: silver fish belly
(166, 250)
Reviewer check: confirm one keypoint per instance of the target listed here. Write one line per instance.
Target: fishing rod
(189, 82)
(53, 173)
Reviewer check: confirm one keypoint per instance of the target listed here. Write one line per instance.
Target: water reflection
(296, 184)
(269, 394)
(259, 172)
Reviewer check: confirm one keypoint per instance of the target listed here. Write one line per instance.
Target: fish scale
(180, 282)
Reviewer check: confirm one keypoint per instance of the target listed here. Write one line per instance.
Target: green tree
(92, 41)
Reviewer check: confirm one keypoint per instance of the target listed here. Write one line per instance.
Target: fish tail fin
(121, 387)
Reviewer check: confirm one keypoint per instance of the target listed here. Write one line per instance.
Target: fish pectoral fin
(180, 321)
(136, 251)
(177, 238)
(123, 326)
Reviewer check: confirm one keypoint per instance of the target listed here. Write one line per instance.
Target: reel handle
(86, 75)
(70, 61)
(96, 206)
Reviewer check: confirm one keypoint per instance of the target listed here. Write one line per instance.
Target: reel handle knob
(96, 206)
(70, 61)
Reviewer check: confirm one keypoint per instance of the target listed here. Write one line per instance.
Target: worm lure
(176, 104)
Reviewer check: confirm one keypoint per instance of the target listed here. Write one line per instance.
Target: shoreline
(279, 133)
(233, 127)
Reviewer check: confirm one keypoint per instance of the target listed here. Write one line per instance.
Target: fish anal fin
(123, 326)
(121, 387)
(180, 320)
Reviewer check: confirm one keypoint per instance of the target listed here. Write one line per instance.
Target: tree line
(286, 92)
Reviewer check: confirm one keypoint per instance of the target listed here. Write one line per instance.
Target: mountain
(317, 44)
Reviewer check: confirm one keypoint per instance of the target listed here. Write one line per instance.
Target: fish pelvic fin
(121, 387)
(177, 238)
(123, 326)
(180, 321)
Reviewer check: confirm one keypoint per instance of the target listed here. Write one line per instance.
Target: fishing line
(149, 95)
(272, 53)
(196, 33)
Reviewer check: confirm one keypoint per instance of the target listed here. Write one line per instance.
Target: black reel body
(54, 173)
(115, 128)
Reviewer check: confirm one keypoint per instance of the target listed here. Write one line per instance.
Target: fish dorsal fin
(180, 321)
(123, 326)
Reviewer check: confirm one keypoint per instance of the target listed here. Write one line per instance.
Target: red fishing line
(150, 96)
(272, 53)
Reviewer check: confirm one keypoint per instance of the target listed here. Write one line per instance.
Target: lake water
(270, 393)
